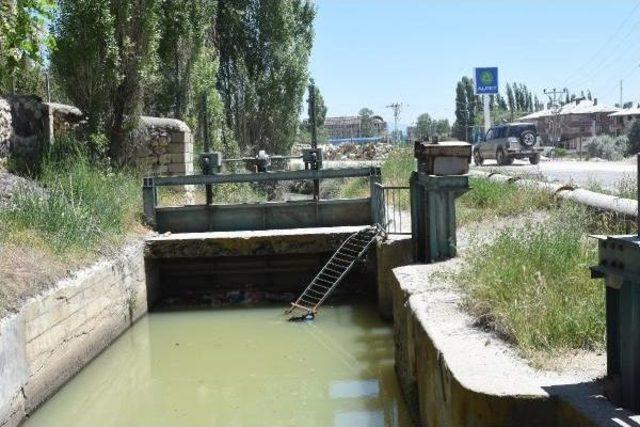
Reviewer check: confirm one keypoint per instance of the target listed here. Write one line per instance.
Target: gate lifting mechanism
(619, 265)
(440, 179)
(211, 161)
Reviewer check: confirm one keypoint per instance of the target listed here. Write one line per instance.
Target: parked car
(507, 142)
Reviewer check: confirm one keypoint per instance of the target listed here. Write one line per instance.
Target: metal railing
(393, 208)
(288, 214)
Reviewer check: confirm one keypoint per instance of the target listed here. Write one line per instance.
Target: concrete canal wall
(251, 263)
(453, 374)
(57, 333)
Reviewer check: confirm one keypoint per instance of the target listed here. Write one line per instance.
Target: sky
(371, 53)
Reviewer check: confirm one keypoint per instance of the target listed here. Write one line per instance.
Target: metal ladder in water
(334, 271)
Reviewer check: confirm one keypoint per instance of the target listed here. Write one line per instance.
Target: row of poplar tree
(115, 59)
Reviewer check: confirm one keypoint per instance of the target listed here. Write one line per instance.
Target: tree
(634, 138)
(501, 103)
(185, 27)
(321, 108)
(85, 62)
(423, 126)
(366, 122)
(23, 39)
(443, 128)
(105, 57)
(264, 48)
(466, 109)
(511, 102)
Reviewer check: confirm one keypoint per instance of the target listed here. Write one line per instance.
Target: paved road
(583, 173)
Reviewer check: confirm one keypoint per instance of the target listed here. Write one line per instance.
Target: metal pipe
(603, 202)
(638, 182)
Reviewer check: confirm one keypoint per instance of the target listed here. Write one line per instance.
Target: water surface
(238, 367)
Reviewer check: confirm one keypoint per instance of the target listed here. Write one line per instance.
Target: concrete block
(180, 137)
(177, 148)
(178, 158)
(13, 369)
(391, 253)
(177, 168)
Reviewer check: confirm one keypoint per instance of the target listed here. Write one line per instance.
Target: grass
(82, 208)
(223, 193)
(396, 171)
(83, 211)
(487, 199)
(491, 199)
(627, 187)
(532, 283)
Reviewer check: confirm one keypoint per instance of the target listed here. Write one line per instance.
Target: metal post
(638, 182)
(206, 163)
(375, 178)
(149, 200)
(314, 133)
(442, 176)
(486, 107)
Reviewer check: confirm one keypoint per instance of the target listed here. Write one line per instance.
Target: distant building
(621, 121)
(573, 123)
(350, 127)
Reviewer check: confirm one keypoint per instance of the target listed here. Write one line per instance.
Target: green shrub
(558, 153)
(83, 206)
(397, 169)
(607, 147)
(634, 138)
(532, 284)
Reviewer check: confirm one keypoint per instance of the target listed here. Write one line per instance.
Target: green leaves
(264, 54)
(23, 34)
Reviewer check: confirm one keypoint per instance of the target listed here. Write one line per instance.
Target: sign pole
(487, 113)
(486, 84)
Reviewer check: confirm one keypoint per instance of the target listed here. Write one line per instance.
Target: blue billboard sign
(486, 80)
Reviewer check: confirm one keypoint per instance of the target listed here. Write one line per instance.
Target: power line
(604, 45)
(607, 62)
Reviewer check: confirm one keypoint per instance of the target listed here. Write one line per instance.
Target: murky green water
(238, 367)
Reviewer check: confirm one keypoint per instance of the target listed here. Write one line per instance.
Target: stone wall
(27, 125)
(162, 146)
(6, 127)
(57, 333)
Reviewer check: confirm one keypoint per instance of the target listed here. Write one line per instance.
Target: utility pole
(555, 108)
(396, 107)
(621, 102)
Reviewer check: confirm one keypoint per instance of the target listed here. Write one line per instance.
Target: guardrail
(392, 204)
(255, 216)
